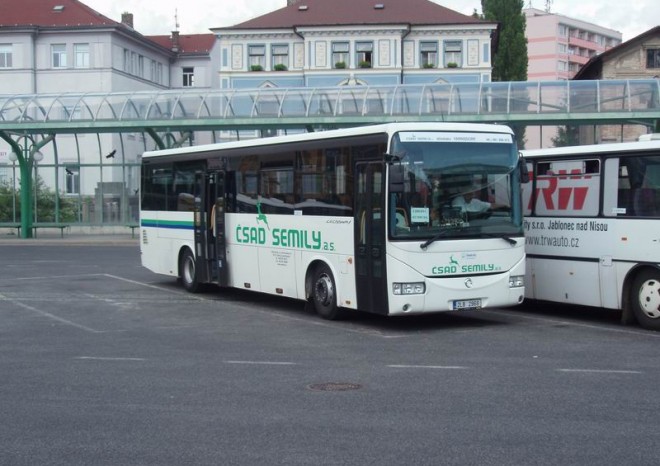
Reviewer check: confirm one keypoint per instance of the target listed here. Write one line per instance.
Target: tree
(566, 136)
(510, 58)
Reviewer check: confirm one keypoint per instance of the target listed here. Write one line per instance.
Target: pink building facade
(557, 47)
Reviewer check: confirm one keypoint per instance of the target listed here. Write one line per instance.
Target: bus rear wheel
(188, 272)
(324, 294)
(646, 299)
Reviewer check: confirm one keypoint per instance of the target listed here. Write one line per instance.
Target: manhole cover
(334, 387)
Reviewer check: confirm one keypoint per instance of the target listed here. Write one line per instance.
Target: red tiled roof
(188, 43)
(353, 12)
(51, 13)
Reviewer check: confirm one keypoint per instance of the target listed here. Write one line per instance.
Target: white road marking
(51, 316)
(265, 363)
(50, 277)
(600, 371)
(96, 358)
(418, 366)
(574, 324)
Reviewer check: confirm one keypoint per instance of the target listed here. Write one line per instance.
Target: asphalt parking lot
(105, 363)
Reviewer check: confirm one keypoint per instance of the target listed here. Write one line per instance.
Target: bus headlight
(516, 281)
(409, 288)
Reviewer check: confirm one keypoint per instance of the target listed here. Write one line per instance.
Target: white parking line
(264, 363)
(50, 277)
(575, 324)
(600, 371)
(51, 316)
(418, 366)
(96, 358)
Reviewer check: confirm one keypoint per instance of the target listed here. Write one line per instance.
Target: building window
(453, 53)
(159, 73)
(363, 54)
(127, 61)
(188, 77)
(562, 66)
(141, 66)
(5, 56)
(81, 55)
(72, 179)
(653, 58)
(134, 65)
(152, 70)
(256, 57)
(428, 54)
(562, 30)
(59, 55)
(340, 54)
(280, 54)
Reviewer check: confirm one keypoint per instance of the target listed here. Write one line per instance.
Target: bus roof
(388, 128)
(617, 147)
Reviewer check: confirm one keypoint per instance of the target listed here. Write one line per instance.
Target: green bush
(45, 204)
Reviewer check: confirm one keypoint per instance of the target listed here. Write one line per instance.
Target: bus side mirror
(524, 172)
(396, 178)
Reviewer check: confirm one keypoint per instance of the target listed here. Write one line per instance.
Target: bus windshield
(454, 185)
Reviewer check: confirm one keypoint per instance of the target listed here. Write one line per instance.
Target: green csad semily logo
(454, 267)
(281, 237)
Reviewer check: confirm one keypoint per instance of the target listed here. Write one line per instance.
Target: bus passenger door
(371, 280)
(217, 239)
(210, 230)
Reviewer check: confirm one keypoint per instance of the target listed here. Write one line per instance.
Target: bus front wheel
(324, 294)
(646, 299)
(188, 272)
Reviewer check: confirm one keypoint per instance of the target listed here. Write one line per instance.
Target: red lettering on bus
(566, 197)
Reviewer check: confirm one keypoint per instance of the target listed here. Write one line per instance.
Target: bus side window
(645, 202)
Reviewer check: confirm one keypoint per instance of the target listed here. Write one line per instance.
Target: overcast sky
(631, 17)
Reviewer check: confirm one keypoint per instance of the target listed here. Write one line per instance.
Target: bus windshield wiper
(442, 233)
(508, 239)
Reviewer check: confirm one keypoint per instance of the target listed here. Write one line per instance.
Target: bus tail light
(409, 288)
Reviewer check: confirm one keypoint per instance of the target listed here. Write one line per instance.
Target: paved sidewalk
(77, 239)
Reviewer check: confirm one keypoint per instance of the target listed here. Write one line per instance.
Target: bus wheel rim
(649, 298)
(323, 290)
(189, 270)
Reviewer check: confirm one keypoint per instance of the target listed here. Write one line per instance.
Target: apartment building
(558, 46)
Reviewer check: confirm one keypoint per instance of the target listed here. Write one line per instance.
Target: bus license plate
(467, 304)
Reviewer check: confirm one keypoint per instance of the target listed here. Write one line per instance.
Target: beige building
(638, 57)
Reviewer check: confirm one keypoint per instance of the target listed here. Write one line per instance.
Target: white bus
(350, 219)
(592, 227)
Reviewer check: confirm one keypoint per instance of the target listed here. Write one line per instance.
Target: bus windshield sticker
(419, 214)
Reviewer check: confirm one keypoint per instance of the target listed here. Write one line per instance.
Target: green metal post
(25, 159)
(26, 197)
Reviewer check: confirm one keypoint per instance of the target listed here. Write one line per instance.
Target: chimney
(175, 41)
(127, 19)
